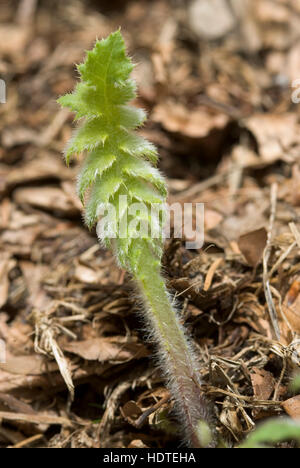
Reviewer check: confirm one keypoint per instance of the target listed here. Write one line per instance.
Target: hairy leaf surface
(119, 162)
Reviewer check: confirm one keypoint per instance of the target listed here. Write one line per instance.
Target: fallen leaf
(252, 246)
(275, 134)
(16, 38)
(49, 198)
(18, 136)
(292, 293)
(15, 404)
(291, 306)
(35, 418)
(267, 13)
(263, 383)
(212, 219)
(292, 407)
(87, 275)
(46, 167)
(33, 275)
(137, 444)
(192, 123)
(107, 349)
(22, 237)
(230, 419)
(28, 365)
(131, 410)
(6, 264)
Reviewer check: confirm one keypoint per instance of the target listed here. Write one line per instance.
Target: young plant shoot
(119, 172)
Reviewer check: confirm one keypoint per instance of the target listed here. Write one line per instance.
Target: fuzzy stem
(175, 354)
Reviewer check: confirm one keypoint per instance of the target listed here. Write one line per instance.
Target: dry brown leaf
(289, 190)
(16, 335)
(38, 418)
(291, 306)
(16, 405)
(292, 407)
(18, 136)
(20, 220)
(33, 384)
(49, 198)
(230, 419)
(131, 410)
(212, 219)
(252, 246)
(137, 444)
(34, 275)
(22, 237)
(192, 123)
(6, 264)
(45, 167)
(266, 12)
(87, 275)
(16, 38)
(28, 365)
(107, 349)
(263, 383)
(245, 157)
(275, 134)
(251, 217)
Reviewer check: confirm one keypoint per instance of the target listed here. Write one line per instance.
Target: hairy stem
(175, 354)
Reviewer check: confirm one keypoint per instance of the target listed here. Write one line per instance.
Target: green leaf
(96, 163)
(272, 432)
(142, 192)
(92, 134)
(103, 189)
(295, 385)
(137, 168)
(107, 62)
(135, 145)
(120, 92)
(130, 117)
(86, 101)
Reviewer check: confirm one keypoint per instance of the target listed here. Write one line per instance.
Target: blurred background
(219, 81)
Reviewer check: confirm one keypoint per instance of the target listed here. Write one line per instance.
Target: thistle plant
(119, 172)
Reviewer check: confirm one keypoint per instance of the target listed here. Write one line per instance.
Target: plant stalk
(174, 354)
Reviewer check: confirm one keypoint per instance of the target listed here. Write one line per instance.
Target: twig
(215, 390)
(266, 257)
(295, 232)
(111, 407)
(141, 420)
(281, 259)
(277, 388)
(28, 441)
(26, 11)
(211, 272)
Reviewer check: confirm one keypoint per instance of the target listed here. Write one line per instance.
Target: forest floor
(221, 112)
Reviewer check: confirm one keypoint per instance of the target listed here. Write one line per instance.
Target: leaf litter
(79, 371)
